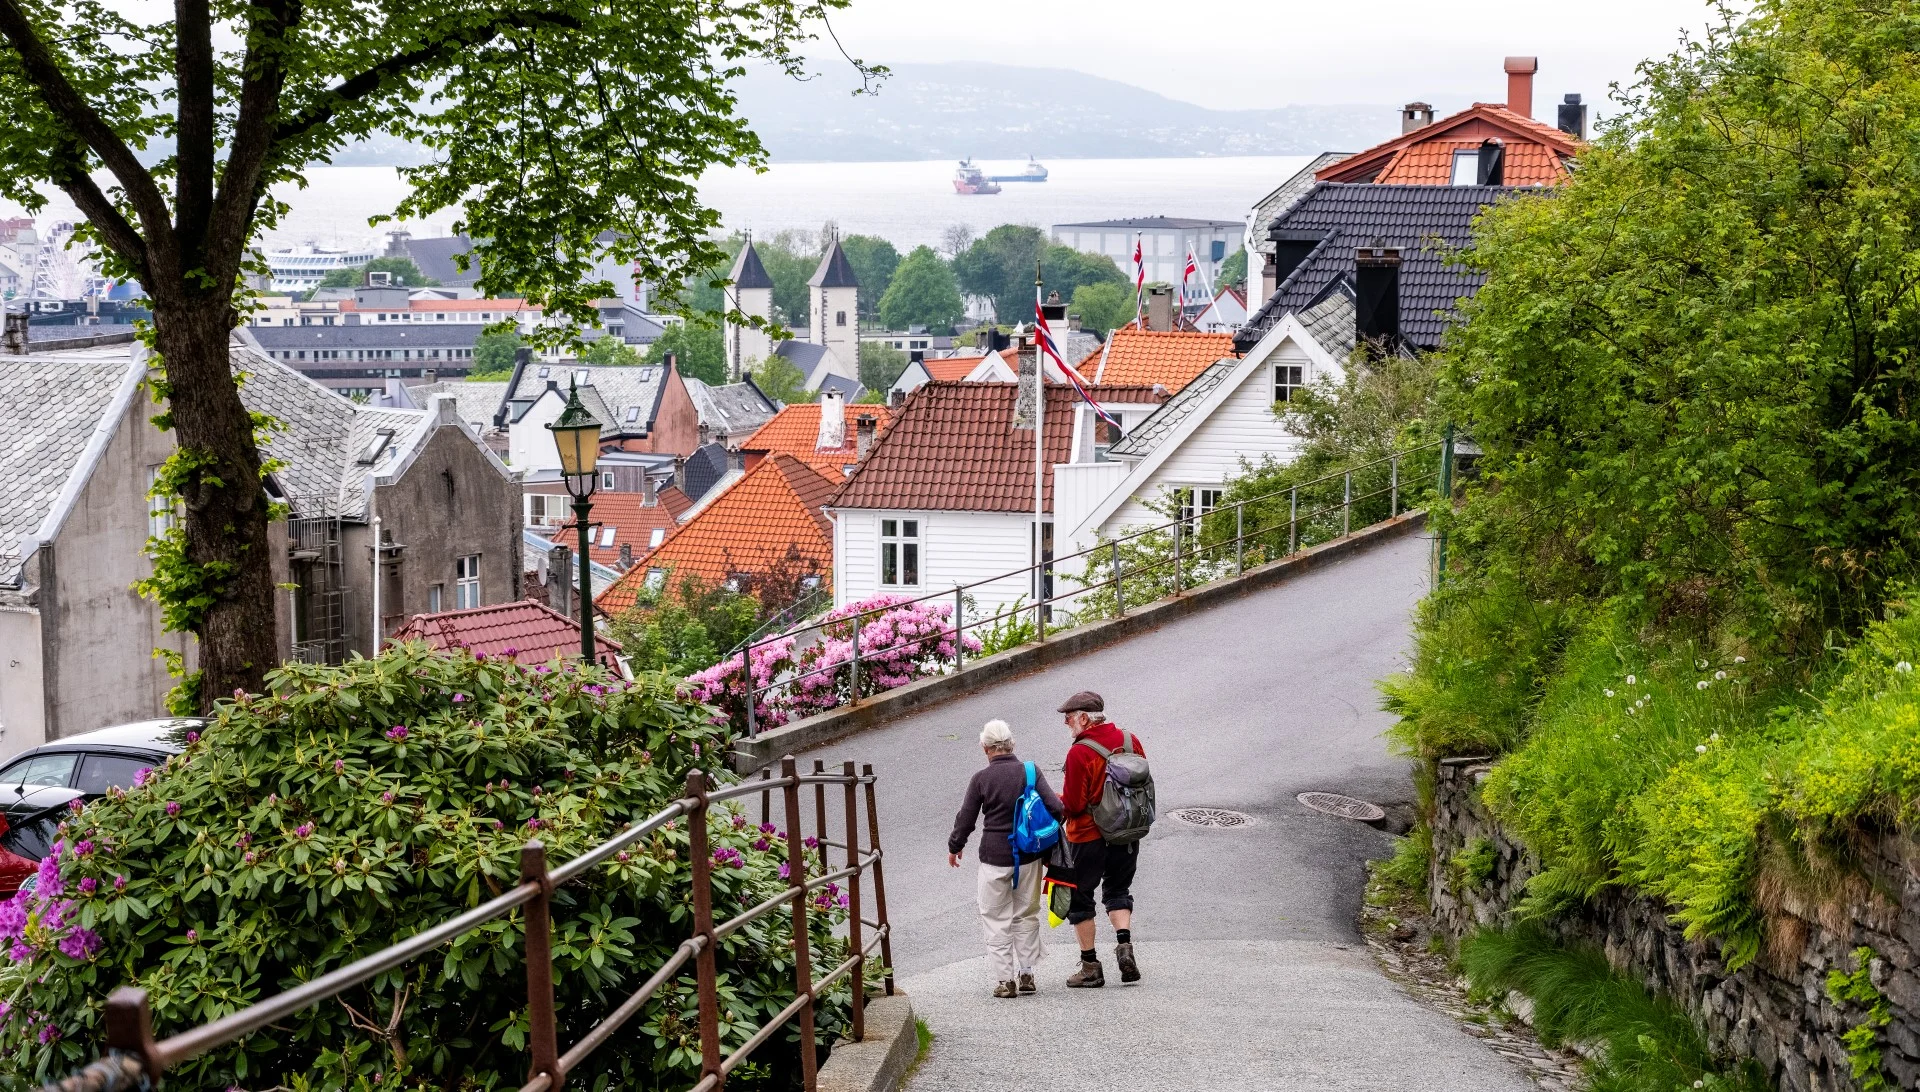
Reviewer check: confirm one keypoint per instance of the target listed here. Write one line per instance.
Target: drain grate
(1342, 807)
(1211, 817)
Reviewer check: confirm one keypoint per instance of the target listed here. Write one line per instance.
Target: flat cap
(1086, 701)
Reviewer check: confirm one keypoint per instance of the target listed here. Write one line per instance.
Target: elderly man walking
(1009, 912)
(1096, 862)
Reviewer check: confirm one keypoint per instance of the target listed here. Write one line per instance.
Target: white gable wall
(955, 548)
(530, 443)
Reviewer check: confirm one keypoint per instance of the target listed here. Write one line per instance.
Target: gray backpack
(1125, 810)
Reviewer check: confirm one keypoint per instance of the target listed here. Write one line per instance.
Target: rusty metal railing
(134, 1054)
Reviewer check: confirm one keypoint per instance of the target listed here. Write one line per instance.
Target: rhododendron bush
(353, 806)
(799, 675)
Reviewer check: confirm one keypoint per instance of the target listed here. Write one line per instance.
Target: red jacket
(1086, 775)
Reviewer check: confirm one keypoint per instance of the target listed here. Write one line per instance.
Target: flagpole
(1039, 444)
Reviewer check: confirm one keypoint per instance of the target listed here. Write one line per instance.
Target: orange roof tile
(530, 633)
(950, 369)
(1536, 152)
(631, 520)
(1169, 358)
(796, 428)
(768, 518)
(1431, 164)
(953, 447)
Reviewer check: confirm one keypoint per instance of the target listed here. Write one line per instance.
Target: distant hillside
(946, 111)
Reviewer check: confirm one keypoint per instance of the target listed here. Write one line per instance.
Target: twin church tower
(832, 345)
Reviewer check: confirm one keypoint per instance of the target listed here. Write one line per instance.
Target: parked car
(38, 785)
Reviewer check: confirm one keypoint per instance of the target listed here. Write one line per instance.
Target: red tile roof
(1536, 153)
(530, 633)
(1170, 358)
(796, 429)
(950, 369)
(632, 521)
(953, 447)
(768, 518)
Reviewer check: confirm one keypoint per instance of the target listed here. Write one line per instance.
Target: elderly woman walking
(1009, 913)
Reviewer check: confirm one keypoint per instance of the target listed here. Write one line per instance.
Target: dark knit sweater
(991, 797)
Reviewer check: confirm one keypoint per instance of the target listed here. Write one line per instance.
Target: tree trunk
(224, 495)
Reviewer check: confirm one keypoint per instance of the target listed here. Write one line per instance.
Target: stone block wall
(1775, 1009)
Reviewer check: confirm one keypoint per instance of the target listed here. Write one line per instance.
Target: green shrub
(685, 625)
(1647, 1043)
(1473, 865)
(1863, 1039)
(353, 806)
(1402, 877)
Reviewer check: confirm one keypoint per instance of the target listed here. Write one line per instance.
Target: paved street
(1255, 977)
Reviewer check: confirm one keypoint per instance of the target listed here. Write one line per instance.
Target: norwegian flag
(1044, 334)
(1186, 275)
(1139, 278)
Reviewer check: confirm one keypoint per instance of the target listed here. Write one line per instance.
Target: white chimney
(833, 421)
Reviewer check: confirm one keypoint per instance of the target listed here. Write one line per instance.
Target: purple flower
(739, 821)
(784, 870)
(303, 830)
(339, 765)
(48, 1034)
(509, 651)
(89, 885)
(74, 805)
(534, 824)
(250, 857)
(760, 844)
(141, 775)
(622, 856)
(193, 737)
(696, 750)
(193, 935)
(242, 842)
(80, 944)
(397, 732)
(536, 790)
(386, 798)
(119, 883)
(173, 808)
(83, 848)
(481, 656)
(498, 825)
(766, 828)
(459, 698)
(841, 901)
(810, 842)
(20, 951)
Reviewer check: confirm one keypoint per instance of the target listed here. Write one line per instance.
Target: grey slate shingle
(53, 404)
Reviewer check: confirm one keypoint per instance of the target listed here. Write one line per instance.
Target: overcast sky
(1231, 54)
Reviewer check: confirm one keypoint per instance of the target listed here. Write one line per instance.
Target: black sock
(1123, 936)
(1088, 955)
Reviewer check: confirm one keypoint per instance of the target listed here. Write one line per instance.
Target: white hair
(997, 736)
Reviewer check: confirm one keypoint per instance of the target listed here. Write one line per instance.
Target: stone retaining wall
(1775, 1009)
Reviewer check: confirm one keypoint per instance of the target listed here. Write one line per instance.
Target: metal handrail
(752, 692)
(130, 1024)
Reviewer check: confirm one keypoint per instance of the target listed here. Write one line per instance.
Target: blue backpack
(1035, 830)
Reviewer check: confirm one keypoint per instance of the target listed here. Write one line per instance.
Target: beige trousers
(1011, 918)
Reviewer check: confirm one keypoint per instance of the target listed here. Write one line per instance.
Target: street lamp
(577, 435)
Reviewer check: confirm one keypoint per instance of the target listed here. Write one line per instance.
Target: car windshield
(35, 771)
(102, 772)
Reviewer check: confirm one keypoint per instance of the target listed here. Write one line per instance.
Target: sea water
(909, 204)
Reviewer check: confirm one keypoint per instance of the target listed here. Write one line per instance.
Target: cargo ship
(1033, 172)
(971, 179)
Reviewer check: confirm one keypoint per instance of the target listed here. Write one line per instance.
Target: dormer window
(544, 370)
(376, 447)
(1466, 167)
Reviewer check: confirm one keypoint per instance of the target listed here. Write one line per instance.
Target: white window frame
(658, 536)
(436, 598)
(908, 533)
(606, 479)
(1288, 378)
(162, 512)
(1195, 501)
(466, 582)
(546, 504)
(1469, 160)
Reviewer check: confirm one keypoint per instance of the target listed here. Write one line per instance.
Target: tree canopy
(781, 380)
(697, 349)
(403, 270)
(610, 351)
(565, 134)
(880, 365)
(1104, 307)
(1233, 271)
(1001, 263)
(873, 260)
(923, 293)
(493, 354)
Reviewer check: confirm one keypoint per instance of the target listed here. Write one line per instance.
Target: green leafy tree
(923, 293)
(685, 625)
(403, 270)
(880, 365)
(1000, 265)
(610, 351)
(248, 97)
(493, 354)
(697, 349)
(874, 261)
(348, 808)
(1233, 271)
(1066, 270)
(790, 258)
(781, 380)
(1103, 308)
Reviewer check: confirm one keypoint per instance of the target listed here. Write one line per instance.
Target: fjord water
(906, 203)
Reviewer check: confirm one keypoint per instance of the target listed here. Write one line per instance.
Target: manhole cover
(1344, 807)
(1211, 817)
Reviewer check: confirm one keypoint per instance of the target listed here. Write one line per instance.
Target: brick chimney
(1415, 115)
(649, 495)
(864, 426)
(1376, 290)
(1160, 307)
(1520, 72)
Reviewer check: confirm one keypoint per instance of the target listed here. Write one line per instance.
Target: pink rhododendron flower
(193, 737)
(173, 808)
(119, 883)
(88, 885)
(303, 830)
(397, 732)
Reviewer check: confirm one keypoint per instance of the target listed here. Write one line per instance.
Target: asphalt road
(1254, 974)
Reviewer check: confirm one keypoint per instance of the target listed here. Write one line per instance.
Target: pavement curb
(877, 1063)
(804, 735)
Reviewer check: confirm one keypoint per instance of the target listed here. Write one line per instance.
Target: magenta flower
(785, 871)
(386, 798)
(193, 737)
(173, 808)
(250, 857)
(83, 848)
(80, 944)
(74, 805)
(739, 821)
(193, 935)
(498, 825)
(509, 651)
(243, 841)
(303, 830)
(622, 856)
(810, 842)
(141, 775)
(88, 885)
(459, 698)
(760, 844)
(48, 1034)
(119, 883)
(480, 656)
(533, 824)
(766, 828)
(397, 732)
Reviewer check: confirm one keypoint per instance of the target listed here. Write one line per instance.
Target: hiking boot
(1027, 984)
(1006, 989)
(1088, 977)
(1123, 955)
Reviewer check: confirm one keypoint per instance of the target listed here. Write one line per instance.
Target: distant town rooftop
(1153, 223)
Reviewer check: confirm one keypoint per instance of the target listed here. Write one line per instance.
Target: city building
(829, 355)
(731, 412)
(915, 342)
(1164, 244)
(437, 259)
(643, 408)
(747, 346)
(1224, 314)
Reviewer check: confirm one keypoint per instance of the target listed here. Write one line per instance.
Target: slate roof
(1421, 220)
(1171, 358)
(769, 518)
(474, 399)
(625, 398)
(1331, 321)
(850, 389)
(1536, 152)
(953, 447)
(835, 271)
(631, 520)
(54, 403)
(1148, 434)
(530, 633)
(533, 555)
(748, 271)
(322, 438)
(796, 428)
(731, 409)
(434, 259)
(1284, 197)
(804, 355)
(705, 466)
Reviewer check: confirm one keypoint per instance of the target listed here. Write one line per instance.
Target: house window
(656, 579)
(160, 510)
(1288, 378)
(900, 553)
(654, 539)
(1195, 502)
(1106, 434)
(546, 509)
(1466, 167)
(606, 479)
(606, 537)
(466, 582)
(839, 318)
(435, 593)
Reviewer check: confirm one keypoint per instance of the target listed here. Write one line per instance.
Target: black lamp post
(577, 435)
